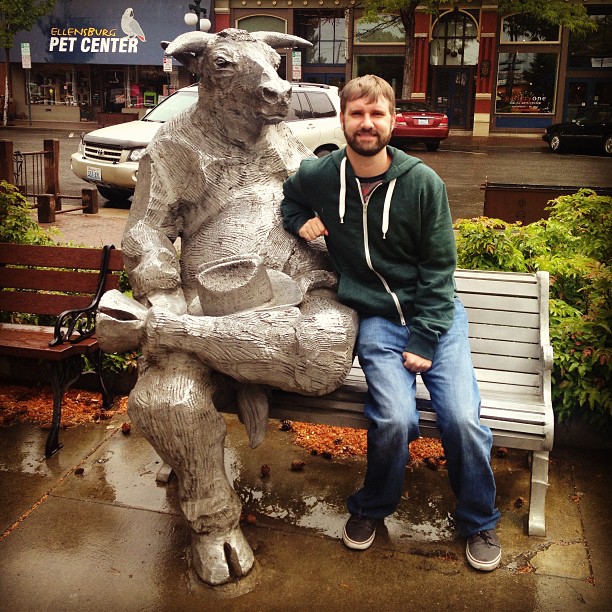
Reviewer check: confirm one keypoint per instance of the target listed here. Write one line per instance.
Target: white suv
(109, 157)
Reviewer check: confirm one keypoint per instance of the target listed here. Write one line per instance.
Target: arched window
(454, 40)
(262, 23)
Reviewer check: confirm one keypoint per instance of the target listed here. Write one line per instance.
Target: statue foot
(219, 558)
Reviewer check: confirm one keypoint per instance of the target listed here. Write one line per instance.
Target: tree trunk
(6, 87)
(408, 20)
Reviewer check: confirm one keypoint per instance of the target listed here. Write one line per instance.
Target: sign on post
(26, 58)
(296, 65)
(167, 64)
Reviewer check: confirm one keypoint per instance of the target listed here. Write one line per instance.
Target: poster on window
(526, 83)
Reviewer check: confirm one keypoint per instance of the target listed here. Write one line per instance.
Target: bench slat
(48, 280)
(500, 317)
(508, 304)
(505, 332)
(58, 257)
(506, 363)
(41, 304)
(495, 277)
(26, 342)
(500, 287)
(505, 348)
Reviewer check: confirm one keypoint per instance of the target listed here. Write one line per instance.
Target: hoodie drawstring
(342, 198)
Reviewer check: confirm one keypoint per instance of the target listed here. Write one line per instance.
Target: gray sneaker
(359, 532)
(483, 550)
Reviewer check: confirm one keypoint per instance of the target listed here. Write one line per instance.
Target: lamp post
(197, 18)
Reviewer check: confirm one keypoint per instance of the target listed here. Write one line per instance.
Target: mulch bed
(35, 405)
(348, 442)
(31, 405)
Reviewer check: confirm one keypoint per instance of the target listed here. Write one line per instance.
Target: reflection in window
(389, 67)
(325, 30)
(454, 41)
(387, 29)
(595, 49)
(262, 23)
(526, 27)
(526, 82)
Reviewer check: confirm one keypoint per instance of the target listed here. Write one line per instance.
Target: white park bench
(509, 338)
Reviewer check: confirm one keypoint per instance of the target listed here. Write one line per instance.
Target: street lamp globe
(191, 19)
(205, 25)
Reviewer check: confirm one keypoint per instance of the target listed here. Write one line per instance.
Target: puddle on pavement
(316, 497)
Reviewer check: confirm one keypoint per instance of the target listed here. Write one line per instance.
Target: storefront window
(595, 49)
(387, 29)
(454, 41)
(262, 23)
(325, 30)
(389, 67)
(59, 84)
(526, 27)
(526, 82)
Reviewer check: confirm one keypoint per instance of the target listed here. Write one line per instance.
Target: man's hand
(416, 363)
(313, 229)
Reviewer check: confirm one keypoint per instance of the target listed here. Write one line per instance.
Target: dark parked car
(590, 129)
(418, 122)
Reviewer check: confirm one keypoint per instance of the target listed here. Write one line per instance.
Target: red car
(418, 122)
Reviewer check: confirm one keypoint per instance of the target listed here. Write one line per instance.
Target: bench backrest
(48, 280)
(508, 316)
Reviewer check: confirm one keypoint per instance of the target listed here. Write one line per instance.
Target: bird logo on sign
(131, 28)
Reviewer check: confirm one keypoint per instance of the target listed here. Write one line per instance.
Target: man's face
(367, 125)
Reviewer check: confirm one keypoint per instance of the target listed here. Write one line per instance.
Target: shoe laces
(486, 537)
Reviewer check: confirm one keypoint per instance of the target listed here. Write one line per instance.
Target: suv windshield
(172, 106)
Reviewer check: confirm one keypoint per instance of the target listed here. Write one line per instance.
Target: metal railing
(36, 175)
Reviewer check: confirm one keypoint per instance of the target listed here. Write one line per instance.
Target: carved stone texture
(212, 177)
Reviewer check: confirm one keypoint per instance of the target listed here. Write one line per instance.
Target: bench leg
(63, 374)
(107, 397)
(537, 500)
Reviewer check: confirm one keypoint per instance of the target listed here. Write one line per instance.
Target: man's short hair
(370, 87)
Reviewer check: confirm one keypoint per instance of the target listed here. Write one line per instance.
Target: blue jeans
(391, 407)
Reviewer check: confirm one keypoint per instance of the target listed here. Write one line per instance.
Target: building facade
(487, 72)
(86, 58)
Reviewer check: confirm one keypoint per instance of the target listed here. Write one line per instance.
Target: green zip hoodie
(395, 252)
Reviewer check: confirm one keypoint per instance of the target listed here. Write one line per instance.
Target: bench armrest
(80, 323)
(547, 356)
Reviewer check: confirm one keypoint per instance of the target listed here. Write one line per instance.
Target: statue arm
(151, 259)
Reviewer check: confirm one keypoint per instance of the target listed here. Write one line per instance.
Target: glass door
(452, 93)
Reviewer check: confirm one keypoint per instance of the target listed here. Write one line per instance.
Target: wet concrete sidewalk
(112, 538)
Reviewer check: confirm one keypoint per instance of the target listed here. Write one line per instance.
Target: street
(464, 171)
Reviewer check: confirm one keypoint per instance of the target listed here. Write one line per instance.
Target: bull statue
(240, 306)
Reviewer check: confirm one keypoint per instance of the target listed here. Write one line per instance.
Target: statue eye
(221, 62)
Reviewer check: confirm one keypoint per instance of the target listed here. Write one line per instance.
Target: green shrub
(575, 246)
(16, 223)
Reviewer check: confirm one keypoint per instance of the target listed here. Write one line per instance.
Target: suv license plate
(423, 121)
(94, 174)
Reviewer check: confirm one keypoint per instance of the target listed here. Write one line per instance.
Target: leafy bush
(16, 223)
(574, 245)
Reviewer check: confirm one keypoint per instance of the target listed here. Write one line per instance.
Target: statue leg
(172, 405)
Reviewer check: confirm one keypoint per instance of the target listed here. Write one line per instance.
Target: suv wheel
(114, 194)
(432, 145)
(607, 144)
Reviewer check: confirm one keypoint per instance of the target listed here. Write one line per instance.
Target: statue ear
(278, 40)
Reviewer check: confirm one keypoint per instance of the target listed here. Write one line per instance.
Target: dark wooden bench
(62, 287)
